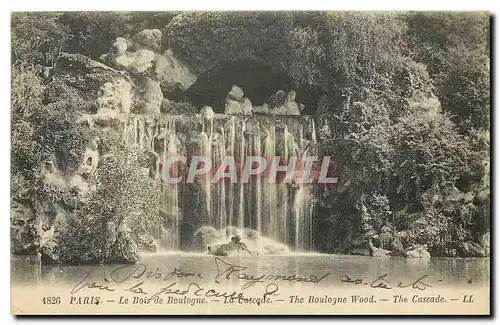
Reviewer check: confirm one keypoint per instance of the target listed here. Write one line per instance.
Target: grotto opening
(259, 80)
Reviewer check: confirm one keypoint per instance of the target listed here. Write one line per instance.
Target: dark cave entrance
(258, 81)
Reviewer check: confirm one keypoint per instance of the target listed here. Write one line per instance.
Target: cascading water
(258, 182)
(270, 192)
(303, 208)
(170, 192)
(241, 210)
(231, 124)
(280, 211)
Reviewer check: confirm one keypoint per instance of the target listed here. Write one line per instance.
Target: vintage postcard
(178, 163)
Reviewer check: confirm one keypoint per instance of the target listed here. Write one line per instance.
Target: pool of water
(331, 269)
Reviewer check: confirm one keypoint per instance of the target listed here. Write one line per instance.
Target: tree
(37, 38)
(456, 49)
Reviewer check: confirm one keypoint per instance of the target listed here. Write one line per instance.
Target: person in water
(241, 246)
(234, 245)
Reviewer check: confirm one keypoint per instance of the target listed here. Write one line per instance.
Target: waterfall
(269, 190)
(313, 133)
(241, 211)
(219, 219)
(170, 192)
(278, 210)
(136, 132)
(258, 180)
(232, 152)
(206, 151)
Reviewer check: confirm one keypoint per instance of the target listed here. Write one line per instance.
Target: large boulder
(136, 62)
(207, 112)
(33, 226)
(470, 249)
(149, 39)
(251, 245)
(230, 249)
(262, 109)
(123, 56)
(233, 108)
(120, 47)
(49, 253)
(172, 73)
(50, 214)
(236, 93)
(485, 243)
(377, 252)
(140, 54)
(247, 107)
(123, 250)
(114, 97)
(205, 237)
(146, 243)
(236, 103)
(217, 242)
(418, 252)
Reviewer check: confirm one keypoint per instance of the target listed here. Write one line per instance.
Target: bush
(111, 219)
(26, 103)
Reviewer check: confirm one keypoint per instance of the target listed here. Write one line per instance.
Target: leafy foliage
(26, 102)
(123, 205)
(42, 130)
(456, 49)
(394, 150)
(37, 38)
(334, 50)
